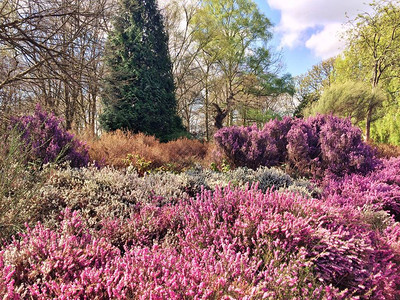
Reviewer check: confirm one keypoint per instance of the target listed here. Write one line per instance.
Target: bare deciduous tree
(54, 50)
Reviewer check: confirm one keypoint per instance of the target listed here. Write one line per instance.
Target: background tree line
(363, 82)
(224, 72)
(51, 53)
(55, 53)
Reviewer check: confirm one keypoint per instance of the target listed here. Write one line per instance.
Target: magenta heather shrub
(275, 132)
(379, 190)
(314, 147)
(326, 144)
(243, 145)
(251, 147)
(303, 149)
(47, 141)
(231, 243)
(343, 149)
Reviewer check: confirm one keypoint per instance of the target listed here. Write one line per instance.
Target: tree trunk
(220, 116)
(93, 115)
(368, 124)
(206, 114)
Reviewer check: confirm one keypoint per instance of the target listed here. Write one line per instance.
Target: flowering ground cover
(239, 243)
(247, 233)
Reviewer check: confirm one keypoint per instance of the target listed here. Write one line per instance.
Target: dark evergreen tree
(139, 88)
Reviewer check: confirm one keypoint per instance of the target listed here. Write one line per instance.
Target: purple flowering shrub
(243, 145)
(239, 243)
(379, 190)
(314, 147)
(343, 149)
(326, 144)
(304, 153)
(47, 141)
(275, 132)
(252, 147)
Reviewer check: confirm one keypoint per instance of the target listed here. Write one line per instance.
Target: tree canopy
(363, 82)
(372, 52)
(310, 86)
(349, 99)
(234, 37)
(139, 88)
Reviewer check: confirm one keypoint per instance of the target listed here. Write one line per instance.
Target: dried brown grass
(386, 150)
(120, 149)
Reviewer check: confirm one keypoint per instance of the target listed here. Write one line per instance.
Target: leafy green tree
(139, 87)
(372, 55)
(349, 99)
(259, 117)
(267, 84)
(233, 35)
(309, 86)
(387, 129)
(266, 96)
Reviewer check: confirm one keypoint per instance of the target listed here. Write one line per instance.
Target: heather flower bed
(231, 242)
(379, 190)
(254, 232)
(108, 192)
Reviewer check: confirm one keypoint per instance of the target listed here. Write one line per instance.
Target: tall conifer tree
(139, 88)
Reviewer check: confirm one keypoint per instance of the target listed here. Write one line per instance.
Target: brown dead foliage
(386, 150)
(119, 149)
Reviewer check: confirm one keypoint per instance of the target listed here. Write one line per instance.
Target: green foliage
(310, 86)
(387, 129)
(139, 87)
(214, 167)
(13, 157)
(224, 167)
(227, 27)
(258, 116)
(233, 41)
(266, 84)
(349, 99)
(372, 54)
(373, 40)
(138, 163)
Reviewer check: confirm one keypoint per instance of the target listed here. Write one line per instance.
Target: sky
(308, 31)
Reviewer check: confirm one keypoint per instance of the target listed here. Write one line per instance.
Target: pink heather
(241, 243)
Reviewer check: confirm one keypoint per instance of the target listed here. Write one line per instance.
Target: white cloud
(315, 24)
(327, 43)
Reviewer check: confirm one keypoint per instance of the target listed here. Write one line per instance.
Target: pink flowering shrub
(243, 145)
(251, 147)
(314, 147)
(324, 145)
(231, 243)
(276, 132)
(47, 141)
(379, 190)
